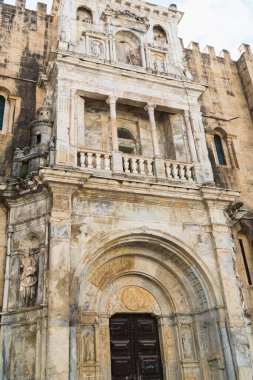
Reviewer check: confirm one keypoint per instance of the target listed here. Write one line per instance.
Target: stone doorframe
(146, 274)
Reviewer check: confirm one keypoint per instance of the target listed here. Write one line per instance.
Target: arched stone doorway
(147, 274)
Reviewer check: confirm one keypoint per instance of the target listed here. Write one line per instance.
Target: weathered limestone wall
(225, 109)
(25, 39)
(245, 68)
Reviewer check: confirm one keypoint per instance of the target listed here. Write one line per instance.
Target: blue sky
(224, 24)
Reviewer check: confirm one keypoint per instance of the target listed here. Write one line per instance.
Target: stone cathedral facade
(126, 200)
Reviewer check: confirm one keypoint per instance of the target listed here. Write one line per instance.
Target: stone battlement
(41, 8)
(224, 55)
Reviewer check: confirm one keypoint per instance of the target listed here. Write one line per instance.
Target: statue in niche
(84, 15)
(186, 337)
(28, 280)
(159, 36)
(97, 49)
(133, 57)
(88, 347)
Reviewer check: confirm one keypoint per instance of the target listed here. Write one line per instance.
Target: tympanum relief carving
(133, 299)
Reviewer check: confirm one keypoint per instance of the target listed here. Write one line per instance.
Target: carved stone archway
(144, 275)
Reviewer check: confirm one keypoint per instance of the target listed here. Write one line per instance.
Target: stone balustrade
(179, 171)
(95, 160)
(136, 165)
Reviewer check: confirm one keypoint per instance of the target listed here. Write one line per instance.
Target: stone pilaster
(234, 324)
(58, 283)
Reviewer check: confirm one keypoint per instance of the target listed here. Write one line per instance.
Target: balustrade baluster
(107, 162)
(142, 166)
(82, 160)
(90, 160)
(134, 165)
(98, 160)
(181, 171)
(126, 164)
(149, 167)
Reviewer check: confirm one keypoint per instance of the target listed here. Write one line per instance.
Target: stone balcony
(133, 166)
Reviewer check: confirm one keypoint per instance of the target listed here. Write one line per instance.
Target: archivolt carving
(124, 258)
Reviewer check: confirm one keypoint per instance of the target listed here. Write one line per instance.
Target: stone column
(191, 142)
(169, 350)
(143, 58)
(104, 357)
(116, 155)
(7, 269)
(159, 162)
(59, 283)
(113, 116)
(151, 113)
(227, 350)
(62, 128)
(204, 172)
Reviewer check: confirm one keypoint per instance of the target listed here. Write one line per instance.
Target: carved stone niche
(84, 15)
(128, 48)
(29, 268)
(88, 354)
(160, 39)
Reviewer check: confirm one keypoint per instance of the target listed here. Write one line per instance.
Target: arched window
(127, 143)
(84, 15)
(219, 150)
(2, 106)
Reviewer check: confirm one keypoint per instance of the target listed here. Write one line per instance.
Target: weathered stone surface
(118, 205)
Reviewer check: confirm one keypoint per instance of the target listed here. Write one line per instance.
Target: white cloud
(224, 24)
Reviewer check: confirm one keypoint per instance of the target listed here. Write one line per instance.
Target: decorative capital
(111, 100)
(150, 107)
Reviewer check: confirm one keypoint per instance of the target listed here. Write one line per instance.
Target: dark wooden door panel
(135, 349)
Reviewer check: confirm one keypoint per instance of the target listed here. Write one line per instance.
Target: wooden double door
(135, 349)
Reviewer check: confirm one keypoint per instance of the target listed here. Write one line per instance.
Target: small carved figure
(63, 35)
(187, 344)
(97, 49)
(28, 279)
(88, 347)
(159, 37)
(133, 57)
(159, 65)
